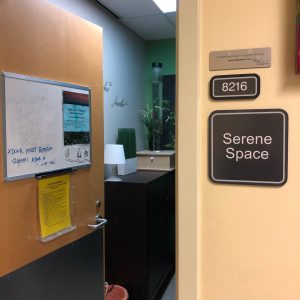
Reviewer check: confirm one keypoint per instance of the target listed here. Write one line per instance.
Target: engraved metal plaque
(240, 59)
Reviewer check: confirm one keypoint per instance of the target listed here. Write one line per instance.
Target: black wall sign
(248, 146)
(228, 87)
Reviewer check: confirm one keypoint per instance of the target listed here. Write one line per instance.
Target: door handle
(100, 223)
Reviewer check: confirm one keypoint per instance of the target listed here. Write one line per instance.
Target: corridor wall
(243, 241)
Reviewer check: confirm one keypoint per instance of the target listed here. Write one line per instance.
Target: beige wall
(188, 155)
(236, 242)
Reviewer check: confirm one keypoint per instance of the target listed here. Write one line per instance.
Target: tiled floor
(170, 293)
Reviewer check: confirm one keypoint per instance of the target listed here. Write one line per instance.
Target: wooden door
(39, 40)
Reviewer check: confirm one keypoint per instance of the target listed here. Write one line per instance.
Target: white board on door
(47, 126)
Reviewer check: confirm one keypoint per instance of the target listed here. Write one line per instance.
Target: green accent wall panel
(163, 51)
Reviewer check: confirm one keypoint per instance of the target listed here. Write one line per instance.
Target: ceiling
(143, 17)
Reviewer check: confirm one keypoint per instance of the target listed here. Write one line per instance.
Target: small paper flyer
(54, 205)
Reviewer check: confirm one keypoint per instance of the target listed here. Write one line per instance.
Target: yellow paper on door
(54, 204)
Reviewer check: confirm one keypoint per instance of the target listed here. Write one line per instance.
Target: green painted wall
(163, 51)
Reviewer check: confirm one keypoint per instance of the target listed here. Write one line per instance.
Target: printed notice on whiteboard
(76, 113)
(54, 206)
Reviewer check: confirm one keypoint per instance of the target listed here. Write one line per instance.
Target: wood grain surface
(39, 40)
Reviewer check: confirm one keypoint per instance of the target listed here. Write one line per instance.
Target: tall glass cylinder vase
(157, 100)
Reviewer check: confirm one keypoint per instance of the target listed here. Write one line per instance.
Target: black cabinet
(140, 234)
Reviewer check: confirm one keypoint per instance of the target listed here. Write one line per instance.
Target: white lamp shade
(114, 154)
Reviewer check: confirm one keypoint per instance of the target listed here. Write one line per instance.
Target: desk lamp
(114, 155)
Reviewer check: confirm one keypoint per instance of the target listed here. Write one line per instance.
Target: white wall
(123, 67)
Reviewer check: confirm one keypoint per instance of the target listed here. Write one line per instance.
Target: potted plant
(164, 133)
(127, 138)
(169, 119)
(147, 120)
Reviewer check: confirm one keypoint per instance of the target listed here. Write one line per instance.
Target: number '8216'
(242, 86)
(234, 86)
